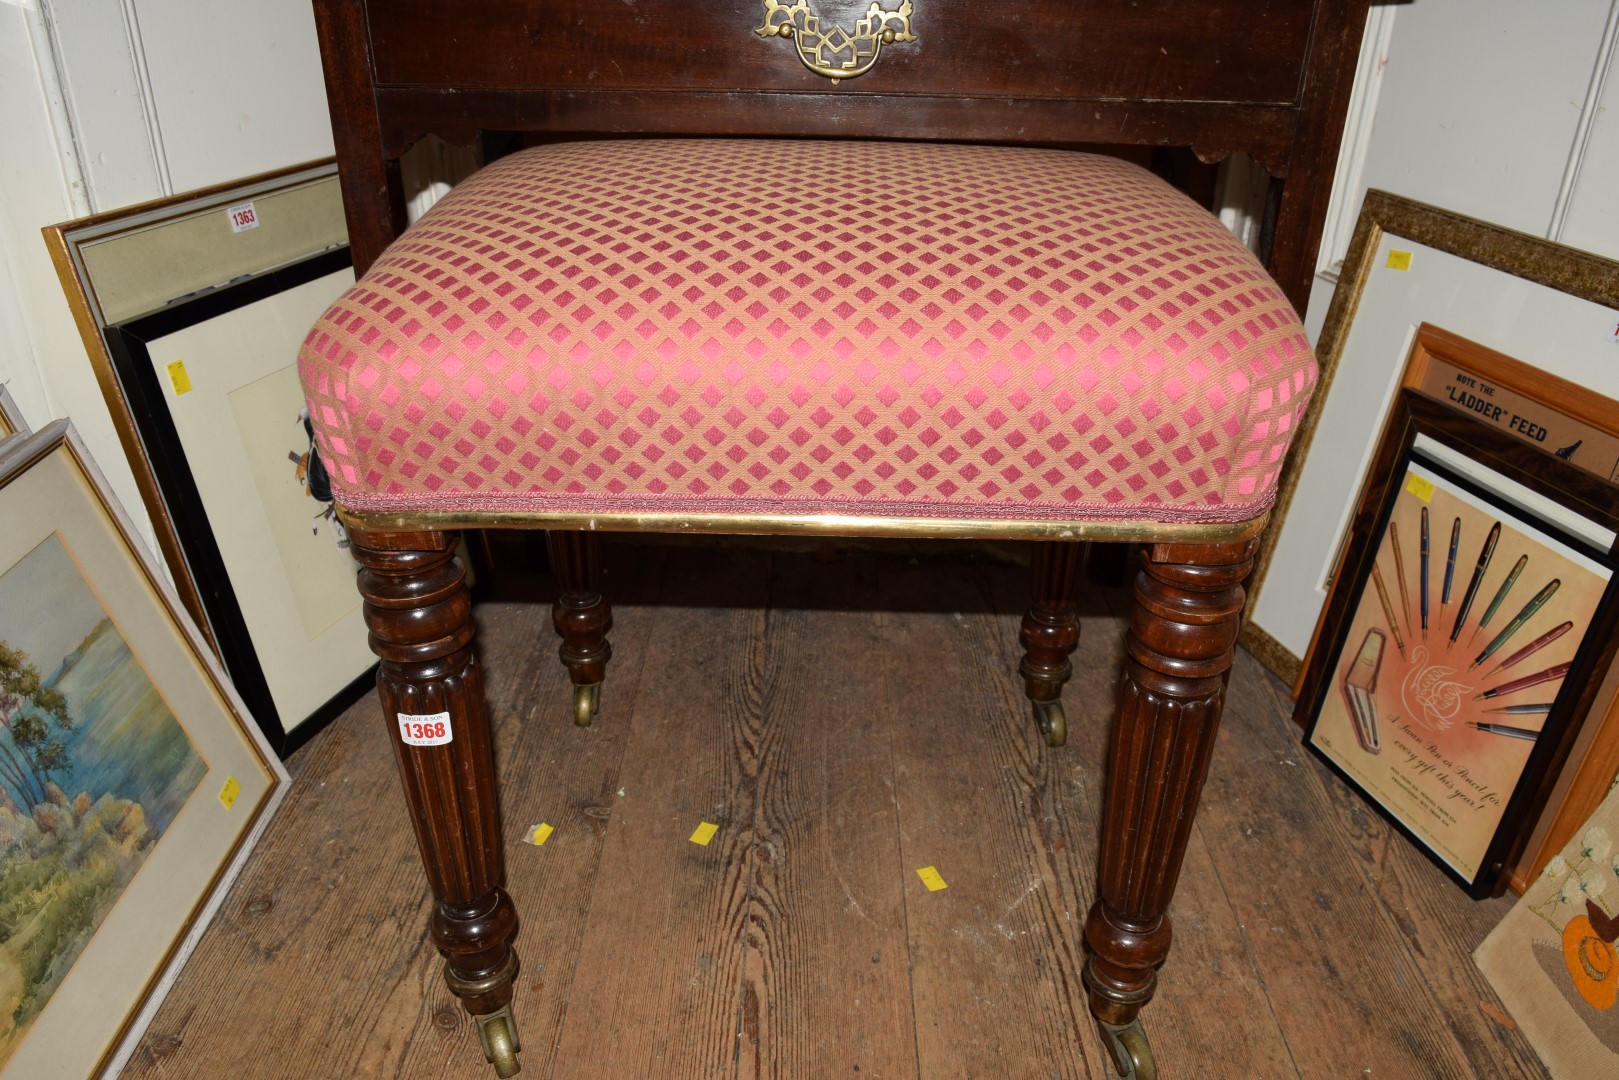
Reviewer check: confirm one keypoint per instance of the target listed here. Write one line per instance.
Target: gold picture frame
(122, 734)
(1521, 265)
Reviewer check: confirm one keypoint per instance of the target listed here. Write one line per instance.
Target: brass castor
(1132, 1055)
(1053, 722)
(587, 699)
(498, 1033)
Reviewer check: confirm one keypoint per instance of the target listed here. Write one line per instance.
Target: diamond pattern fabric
(799, 327)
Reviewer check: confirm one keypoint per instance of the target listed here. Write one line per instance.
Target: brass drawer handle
(820, 50)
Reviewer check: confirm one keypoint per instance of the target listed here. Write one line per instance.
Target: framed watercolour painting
(132, 780)
(1471, 619)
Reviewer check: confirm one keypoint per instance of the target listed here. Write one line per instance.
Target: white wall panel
(1592, 222)
(1480, 112)
(1480, 102)
(237, 86)
(40, 352)
(99, 70)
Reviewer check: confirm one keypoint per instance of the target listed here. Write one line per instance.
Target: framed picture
(1555, 957)
(214, 394)
(132, 780)
(193, 310)
(1472, 615)
(1551, 307)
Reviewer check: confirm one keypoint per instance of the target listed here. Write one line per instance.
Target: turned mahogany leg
(1050, 632)
(1183, 633)
(420, 617)
(581, 616)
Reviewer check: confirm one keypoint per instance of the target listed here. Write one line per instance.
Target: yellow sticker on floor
(1419, 487)
(705, 832)
(1399, 260)
(931, 878)
(539, 834)
(228, 793)
(178, 376)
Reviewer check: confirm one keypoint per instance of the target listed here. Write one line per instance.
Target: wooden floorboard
(825, 937)
(657, 989)
(993, 981)
(846, 716)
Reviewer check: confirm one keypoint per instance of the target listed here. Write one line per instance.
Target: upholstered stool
(857, 338)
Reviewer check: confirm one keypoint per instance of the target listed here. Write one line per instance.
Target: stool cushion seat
(807, 327)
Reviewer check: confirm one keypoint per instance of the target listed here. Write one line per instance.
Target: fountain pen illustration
(1500, 595)
(1484, 556)
(1450, 569)
(1424, 598)
(1388, 609)
(1529, 734)
(1399, 574)
(1535, 604)
(1527, 681)
(1533, 647)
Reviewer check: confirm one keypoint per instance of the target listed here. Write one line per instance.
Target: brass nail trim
(849, 525)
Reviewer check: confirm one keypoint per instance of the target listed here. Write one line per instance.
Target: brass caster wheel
(499, 1036)
(587, 699)
(1128, 1046)
(1053, 722)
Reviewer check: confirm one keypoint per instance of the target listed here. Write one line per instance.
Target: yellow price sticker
(1399, 260)
(704, 833)
(539, 834)
(931, 878)
(178, 376)
(228, 793)
(1419, 487)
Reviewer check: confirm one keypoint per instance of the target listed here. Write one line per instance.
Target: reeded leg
(1050, 632)
(1183, 632)
(581, 616)
(420, 616)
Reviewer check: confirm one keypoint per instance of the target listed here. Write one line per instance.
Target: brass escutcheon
(823, 50)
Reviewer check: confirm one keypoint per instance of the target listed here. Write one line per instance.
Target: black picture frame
(127, 345)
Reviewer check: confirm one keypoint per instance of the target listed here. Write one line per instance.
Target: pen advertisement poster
(1456, 656)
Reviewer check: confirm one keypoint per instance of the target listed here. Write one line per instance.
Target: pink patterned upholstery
(748, 326)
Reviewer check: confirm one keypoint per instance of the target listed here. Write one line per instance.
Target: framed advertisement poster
(1471, 619)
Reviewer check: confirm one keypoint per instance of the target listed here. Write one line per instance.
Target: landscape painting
(94, 768)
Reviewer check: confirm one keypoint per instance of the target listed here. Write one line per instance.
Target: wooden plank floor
(846, 716)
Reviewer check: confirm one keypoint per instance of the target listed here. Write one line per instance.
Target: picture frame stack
(1471, 623)
(191, 310)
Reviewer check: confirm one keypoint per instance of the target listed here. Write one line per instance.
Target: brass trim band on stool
(850, 525)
